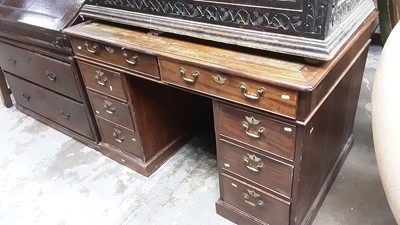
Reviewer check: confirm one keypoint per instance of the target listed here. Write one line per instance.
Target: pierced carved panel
(316, 16)
(251, 17)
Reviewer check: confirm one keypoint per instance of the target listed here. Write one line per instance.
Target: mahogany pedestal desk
(283, 127)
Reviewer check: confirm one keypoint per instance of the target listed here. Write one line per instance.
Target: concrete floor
(47, 178)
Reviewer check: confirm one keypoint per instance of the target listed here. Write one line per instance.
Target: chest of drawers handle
(259, 92)
(65, 115)
(110, 109)
(92, 49)
(258, 134)
(101, 79)
(118, 135)
(253, 163)
(51, 76)
(26, 96)
(133, 60)
(195, 75)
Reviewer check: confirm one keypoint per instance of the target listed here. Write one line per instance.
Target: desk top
(282, 70)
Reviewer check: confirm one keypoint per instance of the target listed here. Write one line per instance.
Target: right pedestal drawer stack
(276, 171)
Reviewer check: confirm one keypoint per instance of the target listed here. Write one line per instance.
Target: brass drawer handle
(118, 135)
(259, 92)
(92, 49)
(65, 115)
(51, 76)
(195, 75)
(253, 163)
(133, 60)
(246, 197)
(110, 109)
(26, 96)
(101, 79)
(260, 130)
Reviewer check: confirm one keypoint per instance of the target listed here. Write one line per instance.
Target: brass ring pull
(110, 109)
(133, 60)
(260, 130)
(26, 96)
(253, 163)
(51, 76)
(101, 79)
(91, 49)
(259, 92)
(195, 75)
(118, 135)
(247, 200)
(65, 115)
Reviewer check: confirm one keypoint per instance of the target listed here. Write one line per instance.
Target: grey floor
(47, 178)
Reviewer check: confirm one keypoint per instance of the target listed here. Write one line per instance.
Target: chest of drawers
(283, 127)
(42, 74)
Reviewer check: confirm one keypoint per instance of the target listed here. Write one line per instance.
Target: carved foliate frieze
(316, 16)
(254, 19)
(341, 9)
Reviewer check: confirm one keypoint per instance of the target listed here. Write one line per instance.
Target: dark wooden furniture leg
(5, 92)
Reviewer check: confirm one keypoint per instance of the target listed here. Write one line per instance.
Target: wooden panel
(325, 142)
(102, 80)
(273, 99)
(118, 56)
(258, 168)
(45, 71)
(61, 110)
(111, 110)
(269, 135)
(120, 137)
(255, 202)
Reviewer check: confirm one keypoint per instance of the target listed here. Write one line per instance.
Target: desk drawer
(51, 105)
(120, 137)
(111, 110)
(126, 58)
(236, 89)
(50, 73)
(253, 201)
(269, 135)
(263, 170)
(103, 80)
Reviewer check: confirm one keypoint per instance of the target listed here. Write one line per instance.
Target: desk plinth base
(149, 167)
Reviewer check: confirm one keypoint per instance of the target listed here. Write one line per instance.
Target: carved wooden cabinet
(283, 127)
(315, 29)
(37, 61)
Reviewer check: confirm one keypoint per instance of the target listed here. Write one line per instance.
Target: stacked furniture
(283, 122)
(36, 58)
